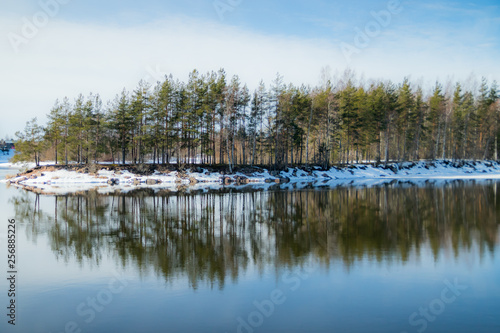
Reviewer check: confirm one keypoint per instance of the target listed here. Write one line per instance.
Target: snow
(105, 181)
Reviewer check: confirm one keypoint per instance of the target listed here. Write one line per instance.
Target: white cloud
(66, 59)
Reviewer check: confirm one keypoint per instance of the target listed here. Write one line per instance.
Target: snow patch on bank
(106, 181)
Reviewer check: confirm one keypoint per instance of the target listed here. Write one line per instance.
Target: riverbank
(110, 178)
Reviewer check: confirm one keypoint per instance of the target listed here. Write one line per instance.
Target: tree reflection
(212, 237)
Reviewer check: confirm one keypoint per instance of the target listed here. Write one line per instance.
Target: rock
(242, 180)
(152, 181)
(136, 181)
(182, 188)
(113, 181)
(22, 179)
(269, 180)
(227, 180)
(193, 180)
(284, 180)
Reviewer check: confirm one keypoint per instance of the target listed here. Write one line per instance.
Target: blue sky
(103, 46)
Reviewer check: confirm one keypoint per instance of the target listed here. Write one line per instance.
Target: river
(389, 258)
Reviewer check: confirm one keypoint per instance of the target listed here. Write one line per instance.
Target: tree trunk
(436, 147)
(307, 138)
(488, 142)
(253, 148)
(466, 133)
(379, 144)
(495, 156)
(387, 134)
(65, 151)
(56, 151)
(444, 139)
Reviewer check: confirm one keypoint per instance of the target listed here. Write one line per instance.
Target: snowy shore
(109, 179)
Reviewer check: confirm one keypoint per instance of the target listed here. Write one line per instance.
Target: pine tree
(30, 143)
(341, 122)
(256, 121)
(458, 122)
(391, 111)
(55, 128)
(348, 108)
(435, 119)
(406, 119)
(420, 112)
(121, 121)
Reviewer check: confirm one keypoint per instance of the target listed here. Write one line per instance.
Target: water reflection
(213, 237)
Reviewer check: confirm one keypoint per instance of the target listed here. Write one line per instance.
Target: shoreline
(111, 178)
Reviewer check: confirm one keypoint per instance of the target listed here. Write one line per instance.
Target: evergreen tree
(435, 119)
(122, 123)
(30, 143)
(55, 128)
(406, 120)
(209, 120)
(256, 121)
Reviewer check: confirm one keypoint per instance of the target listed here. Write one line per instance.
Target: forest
(213, 119)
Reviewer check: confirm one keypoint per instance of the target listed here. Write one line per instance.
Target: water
(389, 258)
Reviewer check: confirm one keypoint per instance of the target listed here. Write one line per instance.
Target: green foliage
(30, 143)
(215, 120)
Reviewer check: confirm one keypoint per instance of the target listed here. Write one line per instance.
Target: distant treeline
(214, 120)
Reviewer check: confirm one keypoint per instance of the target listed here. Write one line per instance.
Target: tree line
(213, 119)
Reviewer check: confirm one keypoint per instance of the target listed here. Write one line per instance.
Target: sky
(51, 49)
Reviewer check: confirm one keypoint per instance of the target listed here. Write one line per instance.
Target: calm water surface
(389, 258)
